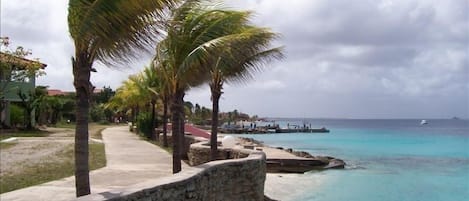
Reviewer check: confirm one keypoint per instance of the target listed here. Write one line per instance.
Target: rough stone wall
(226, 180)
(199, 153)
(168, 137)
(188, 140)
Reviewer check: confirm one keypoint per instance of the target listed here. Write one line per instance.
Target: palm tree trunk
(81, 72)
(153, 133)
(182, 121)
(165, 121)
(132, 118)
(137, 111)
(216, 93)
(177, 131)
(27, 119)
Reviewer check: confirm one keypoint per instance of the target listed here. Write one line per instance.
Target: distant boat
(423, 122)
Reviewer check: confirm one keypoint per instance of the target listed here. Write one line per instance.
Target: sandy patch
(30, 151)
(60, 132)
(289, 187)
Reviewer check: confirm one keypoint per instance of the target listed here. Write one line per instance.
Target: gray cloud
(362, 59)
(41, 25)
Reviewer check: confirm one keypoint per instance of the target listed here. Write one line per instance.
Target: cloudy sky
(345, 59)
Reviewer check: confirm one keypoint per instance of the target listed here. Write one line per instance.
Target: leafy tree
(246, 51)
(15, 68)
(98, 110)
(50, 109)
(17, 115)
(151, 86)
(145, 124)
(30, 101)
(97, 113)
(165, 95)
(198, 36)
(111, 32)
(104, 96)
(128, 99)
(182, 56)
(188, 108)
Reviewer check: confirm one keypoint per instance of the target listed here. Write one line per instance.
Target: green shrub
(16, 115)
(96, 113)
(104, 122)
(144, 124)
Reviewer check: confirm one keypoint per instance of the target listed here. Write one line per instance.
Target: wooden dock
(263, 130)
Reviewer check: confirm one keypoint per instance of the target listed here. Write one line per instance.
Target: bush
(144, 124)
(104, 122)
(96, 113)
(16, 115)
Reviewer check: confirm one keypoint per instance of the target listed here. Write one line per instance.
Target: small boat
(423, 122)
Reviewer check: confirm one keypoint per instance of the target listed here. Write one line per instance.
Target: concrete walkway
(129, 161)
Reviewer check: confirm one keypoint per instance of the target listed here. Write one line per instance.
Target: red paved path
(194, 131)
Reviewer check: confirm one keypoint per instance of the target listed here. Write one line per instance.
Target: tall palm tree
(164, 96)
(245, 53)
(151, 85)
(129, 97)
(134, 97)
(111, 32)
(193, 35)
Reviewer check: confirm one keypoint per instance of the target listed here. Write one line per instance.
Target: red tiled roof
(18, 61)
(55, 92)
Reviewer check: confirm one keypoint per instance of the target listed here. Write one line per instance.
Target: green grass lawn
(61, 165)
(48, 171)
(169, 149)
(34, 133)
(65, 125)
(6, 145)
(94, 129)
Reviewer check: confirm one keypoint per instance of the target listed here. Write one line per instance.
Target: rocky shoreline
(291, 161)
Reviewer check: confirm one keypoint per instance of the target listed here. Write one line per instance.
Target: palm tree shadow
(109, 195)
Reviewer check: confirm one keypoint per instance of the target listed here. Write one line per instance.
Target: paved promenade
(129, 161)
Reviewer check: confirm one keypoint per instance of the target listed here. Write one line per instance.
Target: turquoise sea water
(388, 160)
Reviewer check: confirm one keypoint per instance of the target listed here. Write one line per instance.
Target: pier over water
(253, 128)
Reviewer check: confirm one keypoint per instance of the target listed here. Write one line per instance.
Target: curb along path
(129, 161)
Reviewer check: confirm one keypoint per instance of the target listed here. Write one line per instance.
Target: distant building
(97, 91)
(10, 87)
(57, 92)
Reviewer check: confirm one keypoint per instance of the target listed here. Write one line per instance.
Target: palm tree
(151, 85)
(164, 95)
(111, 32)
(245, 53)
(128, 97)
(193, 36)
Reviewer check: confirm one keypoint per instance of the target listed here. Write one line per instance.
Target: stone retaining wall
(188, 140)
(199, 153)
(225, 180)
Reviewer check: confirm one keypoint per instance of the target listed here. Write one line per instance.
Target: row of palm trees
(196, 43)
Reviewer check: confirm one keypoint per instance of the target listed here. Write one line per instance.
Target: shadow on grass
(32, 133)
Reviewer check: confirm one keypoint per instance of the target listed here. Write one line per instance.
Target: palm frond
(113, 31)
(246, 69)
(200, 39)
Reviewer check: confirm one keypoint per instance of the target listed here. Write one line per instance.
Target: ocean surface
(387, 160)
